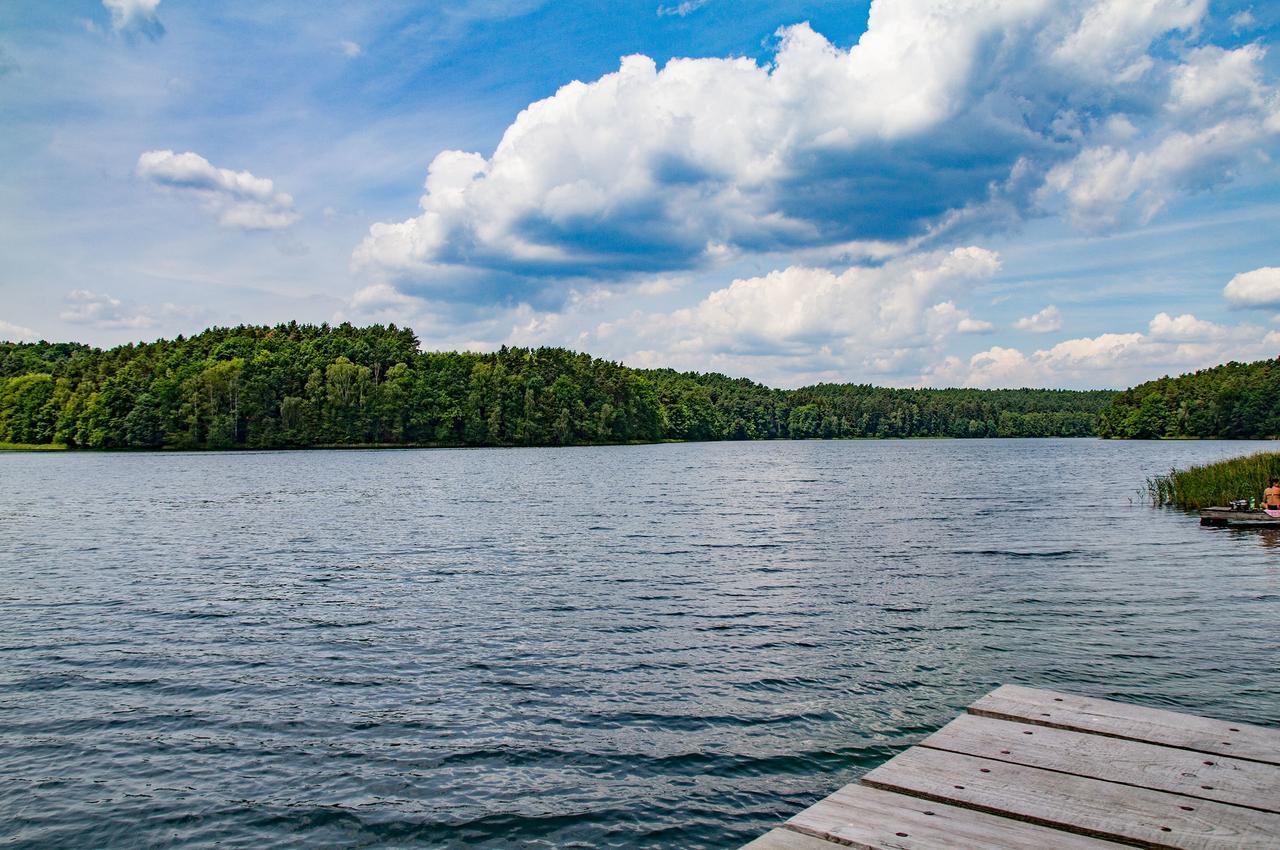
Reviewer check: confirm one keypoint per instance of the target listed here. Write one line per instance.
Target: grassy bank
(32, 447)
(1215, 483)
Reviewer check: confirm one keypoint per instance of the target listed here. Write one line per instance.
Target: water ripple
(634, 647)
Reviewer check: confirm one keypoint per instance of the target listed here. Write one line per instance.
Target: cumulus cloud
(946, 318)
(1113, 36)
(1046, 321)
(998, 107)
(1107, 186)
(1172, 344)
(800, 323)
(350, 49)
(10, 332)
(100, 310)
(1184, 328)
(239, 199)
(1219, 117)
(1211, 76)
(137, 16)
(1257, 288)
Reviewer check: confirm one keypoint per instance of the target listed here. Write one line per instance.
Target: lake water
(650, 646)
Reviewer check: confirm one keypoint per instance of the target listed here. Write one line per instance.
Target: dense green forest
(309, 385)
(1234, 401)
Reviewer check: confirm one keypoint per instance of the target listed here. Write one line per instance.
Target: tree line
(299, 385)
(1232, 401)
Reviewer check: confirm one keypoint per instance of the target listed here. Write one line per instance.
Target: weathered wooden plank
(1088, 806)
(1245, 519)
(786, 839)
(1209, 777)
(871, 819)
(1118, 720)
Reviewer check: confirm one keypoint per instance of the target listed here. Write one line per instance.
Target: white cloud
(661, 167)
(648, 169)
(1257, 288)
(1046, 321)
(1172, 345)
(350, 49)
(1242, 21)
(680, 10)
(804, 323)
(1106, 186)
(974, 326)
(10, 332)
(1184, 328)
(1113, 36)
(1219, 117)
(100, 310)
(946, 318)
(135, 16)
(1211, 76)
(238, 198)
(380, 302)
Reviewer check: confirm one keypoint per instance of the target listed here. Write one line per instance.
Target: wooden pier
(1034, 769)
(1226, 517)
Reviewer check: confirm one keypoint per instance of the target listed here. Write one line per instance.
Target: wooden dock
(1226, 517)
(1027, 768)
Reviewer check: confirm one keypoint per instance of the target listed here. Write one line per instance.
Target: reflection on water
(649, 646)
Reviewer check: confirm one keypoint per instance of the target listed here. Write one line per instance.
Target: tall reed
(1215, 483)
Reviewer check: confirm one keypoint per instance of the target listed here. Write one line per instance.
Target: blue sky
(951, 192)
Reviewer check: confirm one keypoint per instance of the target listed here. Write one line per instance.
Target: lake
(644, 646)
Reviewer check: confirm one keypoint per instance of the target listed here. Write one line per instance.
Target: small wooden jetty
(1231, 518)
(1039, 770)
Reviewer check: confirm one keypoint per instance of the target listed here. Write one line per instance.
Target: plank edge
(927, 746)
(1069, 727)
(1014, 816)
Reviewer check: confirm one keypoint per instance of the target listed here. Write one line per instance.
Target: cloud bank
(1182, 343)
(238, 198)
(1000, 109)
(794, 325)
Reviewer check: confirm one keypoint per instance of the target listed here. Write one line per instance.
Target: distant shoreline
(319, 386)
(59, 447)
(297, 385)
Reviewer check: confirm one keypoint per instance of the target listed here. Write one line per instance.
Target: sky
(988, 193)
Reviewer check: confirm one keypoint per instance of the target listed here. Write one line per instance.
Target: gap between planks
(1130, 722)
(1196, 775)
(873, 819)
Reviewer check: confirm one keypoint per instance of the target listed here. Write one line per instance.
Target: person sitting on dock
(1271, 497)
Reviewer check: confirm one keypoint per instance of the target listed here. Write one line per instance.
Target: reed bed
(1215, 483)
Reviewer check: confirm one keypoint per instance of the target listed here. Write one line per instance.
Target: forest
(299, 385)
(1233, 401)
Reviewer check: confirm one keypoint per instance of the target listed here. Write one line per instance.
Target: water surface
(651, 646)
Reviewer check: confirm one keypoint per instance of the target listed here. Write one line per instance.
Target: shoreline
(63, 447)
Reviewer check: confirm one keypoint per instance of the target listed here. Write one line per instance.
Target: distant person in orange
(1271, 496)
